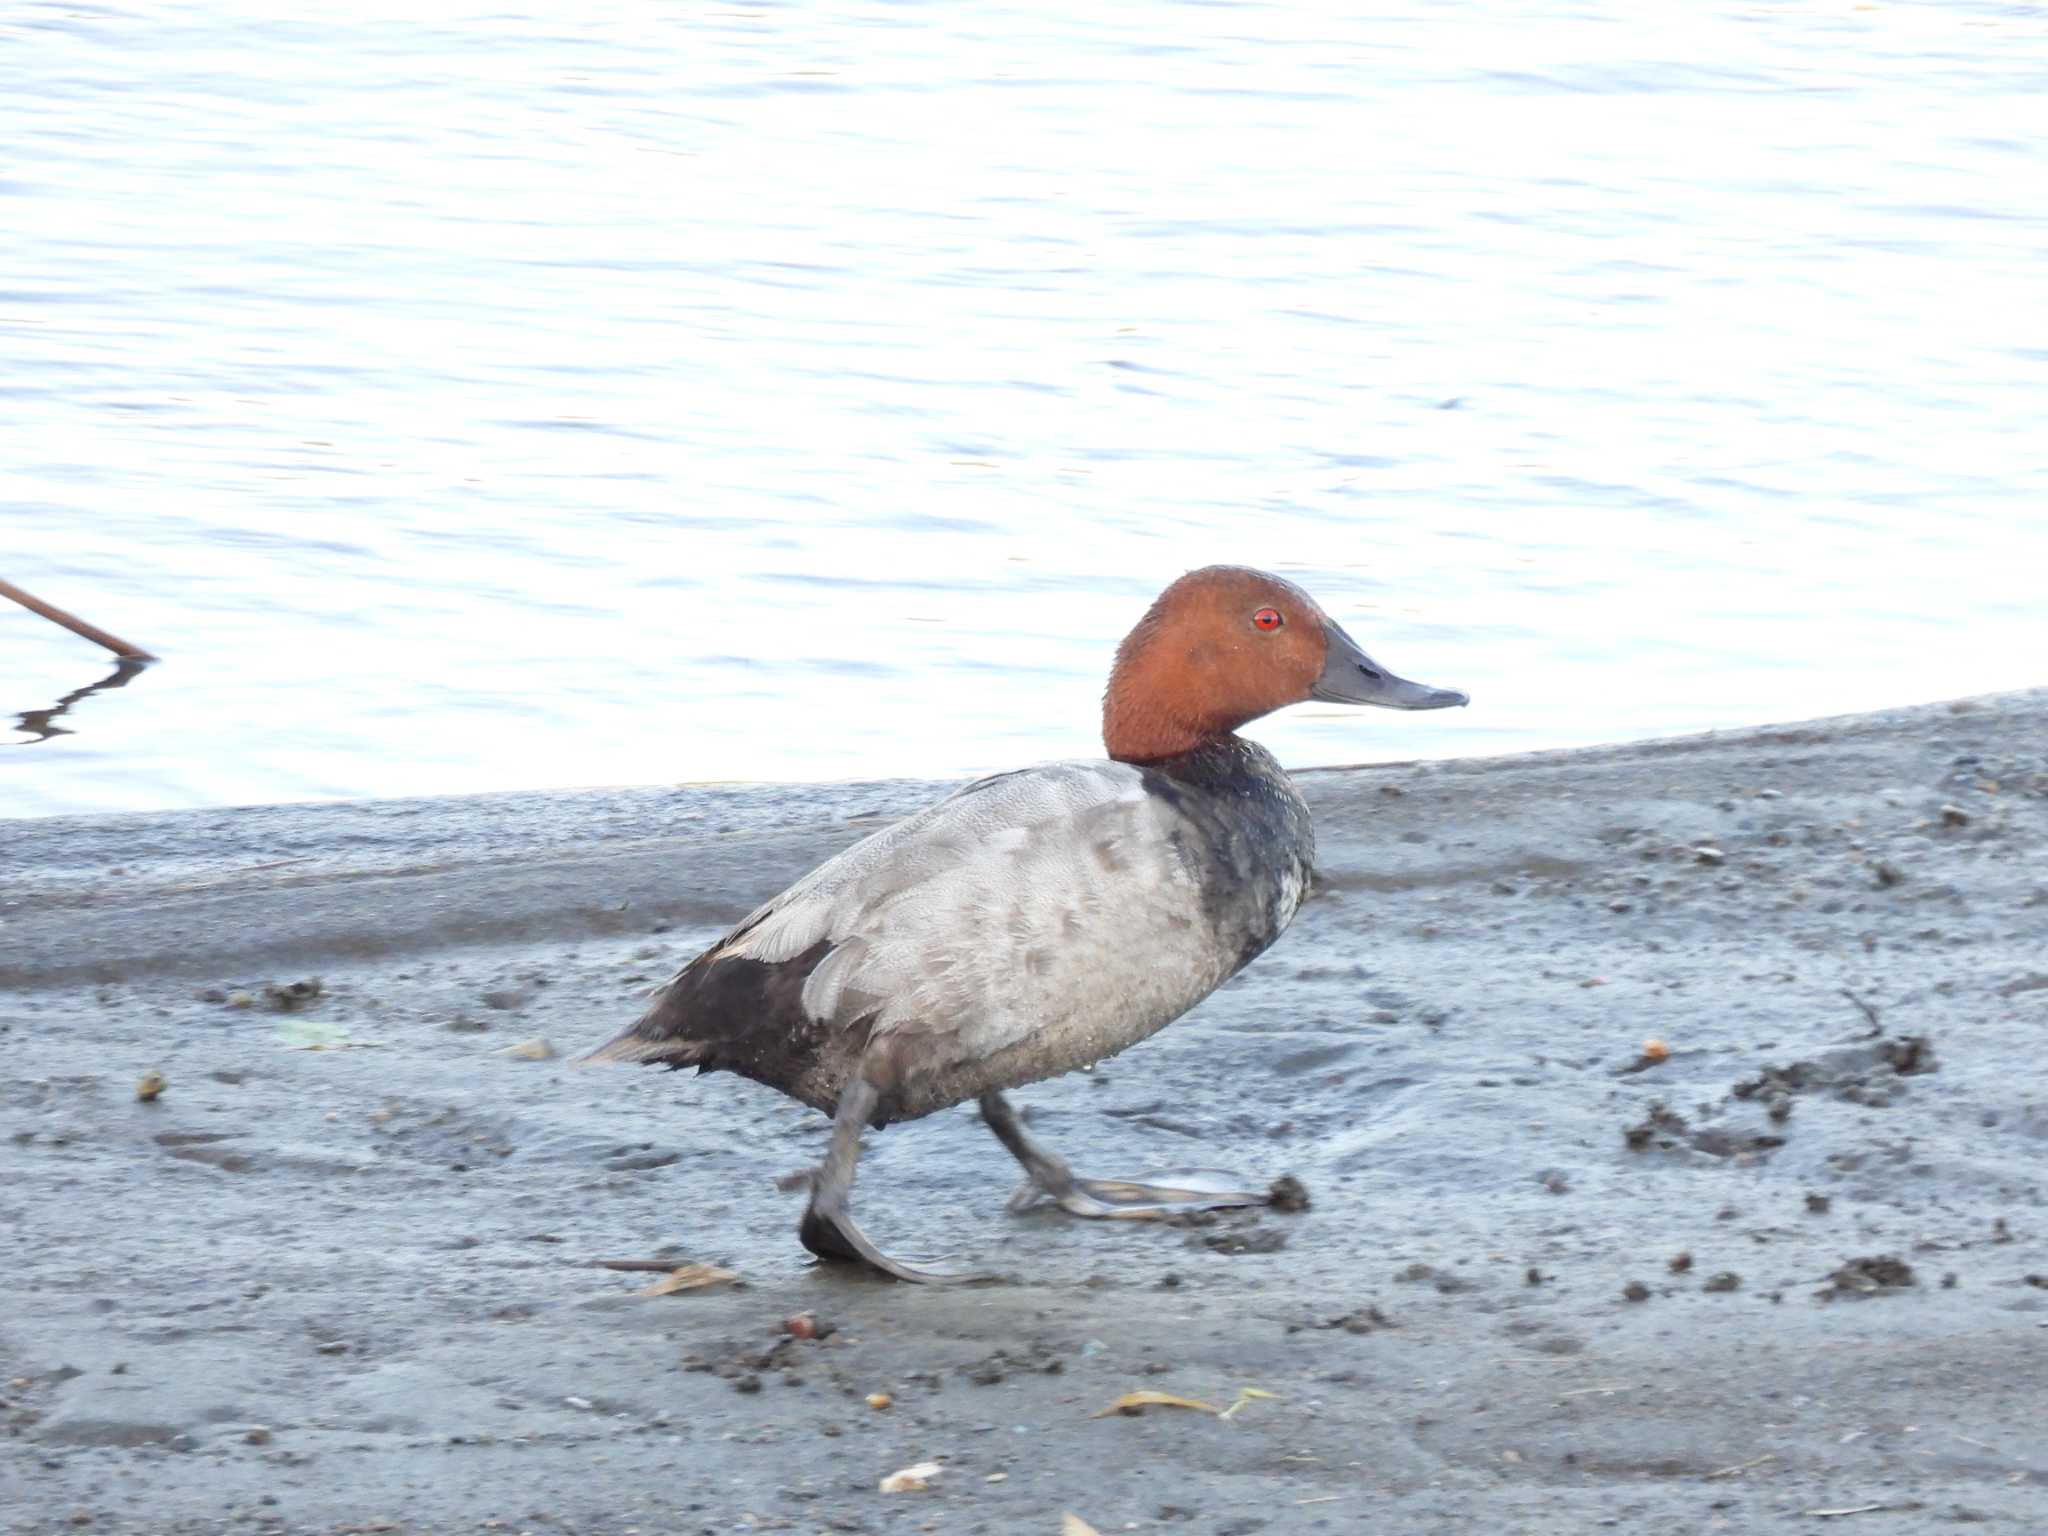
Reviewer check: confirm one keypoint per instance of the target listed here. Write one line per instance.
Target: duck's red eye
(1267, 618)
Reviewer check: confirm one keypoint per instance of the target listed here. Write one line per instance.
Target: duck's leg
(1047, 1177)
(828, 1227)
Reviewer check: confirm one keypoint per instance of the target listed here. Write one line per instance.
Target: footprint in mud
(1864, 1073)
(445, 1135)
(1445, 1283)
(1663, 1128)
(206, 1147)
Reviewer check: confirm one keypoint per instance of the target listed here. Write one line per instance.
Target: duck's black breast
(1244, 835)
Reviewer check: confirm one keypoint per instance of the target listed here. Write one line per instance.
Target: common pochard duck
(1037, 921)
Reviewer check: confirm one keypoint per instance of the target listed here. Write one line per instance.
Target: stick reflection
(40, 724)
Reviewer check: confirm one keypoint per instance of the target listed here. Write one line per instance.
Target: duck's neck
(1166, 700)
(1142, 731)
(1148, 749)
(1219, 762)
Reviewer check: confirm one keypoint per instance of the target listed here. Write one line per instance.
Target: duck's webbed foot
(1168, 1193)
(834, 1235)
(1047, 1177)
(828, 1228)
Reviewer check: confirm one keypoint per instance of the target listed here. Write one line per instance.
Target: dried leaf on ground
(312, 1035)
(1074, 1525)
(913, 1479)
(1246, 1395)
(688, 1277)
(1137, 1402)
(535, 1049)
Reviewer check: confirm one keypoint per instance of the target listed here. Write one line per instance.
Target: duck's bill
(1352, 677)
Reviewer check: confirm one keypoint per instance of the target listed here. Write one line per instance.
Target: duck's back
(1029, 924)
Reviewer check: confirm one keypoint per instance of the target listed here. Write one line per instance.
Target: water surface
(642, 392)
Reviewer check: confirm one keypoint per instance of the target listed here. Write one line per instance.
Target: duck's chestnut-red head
(1227, 644)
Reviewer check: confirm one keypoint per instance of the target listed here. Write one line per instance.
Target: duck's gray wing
(1026, 925)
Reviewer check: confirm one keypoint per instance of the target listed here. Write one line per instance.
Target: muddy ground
(1791, 1276)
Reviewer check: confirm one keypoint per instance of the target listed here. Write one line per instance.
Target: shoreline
(70, 863)
(350, 1280)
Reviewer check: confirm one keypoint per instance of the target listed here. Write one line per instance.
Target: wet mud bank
(1672, 1118)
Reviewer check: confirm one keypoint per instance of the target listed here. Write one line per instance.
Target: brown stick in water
(76, 625)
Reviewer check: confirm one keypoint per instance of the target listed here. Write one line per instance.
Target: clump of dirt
(742, 1362)
(1661, 1125)
(1871, 1276)
(1909, 1055)
(1716, 1142)
(1235, 1240)
(1366, 1319)
(291, 996)
(1036, 1358)
(1288, 1195)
